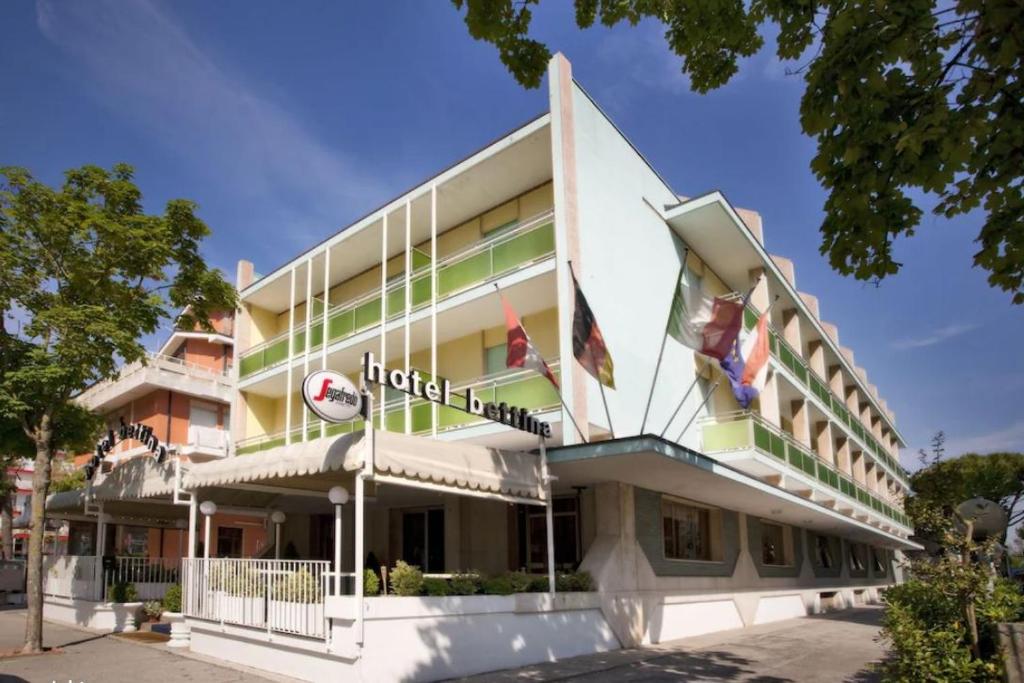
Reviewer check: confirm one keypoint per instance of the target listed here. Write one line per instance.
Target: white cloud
(934, 337)
(1009, 438)
(148, 70)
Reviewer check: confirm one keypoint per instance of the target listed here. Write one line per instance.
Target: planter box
(239, 609)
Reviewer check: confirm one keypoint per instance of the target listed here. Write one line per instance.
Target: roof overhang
(656, 464)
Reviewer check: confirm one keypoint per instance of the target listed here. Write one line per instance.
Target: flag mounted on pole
(709, 325)
(521, 351)
(587, 342)
(747, 365)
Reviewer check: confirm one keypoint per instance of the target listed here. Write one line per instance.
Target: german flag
(587, 342)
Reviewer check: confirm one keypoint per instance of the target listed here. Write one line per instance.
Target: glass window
(134, 541)
(494, 359)
(423, 539)
(773, 544)
(857, 557)
(877, 562)
(823, 552)
(686, 531)
(229, 541)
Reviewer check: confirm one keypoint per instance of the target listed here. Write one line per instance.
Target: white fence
(275, 595)
(77, 576)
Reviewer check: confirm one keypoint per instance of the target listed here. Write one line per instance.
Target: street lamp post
(277, 517)
(338, 495)
(209, 509)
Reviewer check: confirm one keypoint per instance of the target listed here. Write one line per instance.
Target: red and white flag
(521, 351)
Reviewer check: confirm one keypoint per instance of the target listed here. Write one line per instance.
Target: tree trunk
(7, 521)
(34, 583)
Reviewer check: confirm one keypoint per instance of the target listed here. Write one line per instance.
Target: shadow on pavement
(714, 665)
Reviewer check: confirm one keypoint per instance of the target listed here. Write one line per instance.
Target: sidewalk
(822, 649)
(88, 657)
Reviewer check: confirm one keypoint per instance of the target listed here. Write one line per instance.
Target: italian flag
(521, 351)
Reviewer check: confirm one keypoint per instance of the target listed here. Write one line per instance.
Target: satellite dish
(988, 517)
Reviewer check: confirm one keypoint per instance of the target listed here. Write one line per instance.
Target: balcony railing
(211, 438)
(83, 577)
(791, 359)
(178, 366)
(286, 596)
(744, 430)
(522, 388)
(530, 241)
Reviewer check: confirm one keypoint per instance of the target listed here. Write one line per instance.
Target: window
(229, 541)
(823, 552)
(494, 359)
(877, 562)
(423, 539)
(565, 522)
(134, 541)
(775, 544)
(686, 531)
(856, 557)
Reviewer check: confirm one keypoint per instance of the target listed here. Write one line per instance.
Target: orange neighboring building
(183, 393)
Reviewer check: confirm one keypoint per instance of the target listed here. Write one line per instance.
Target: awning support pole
(193, 514)
(337, 549)
(549, 515)
(360, 521)
(101, 541)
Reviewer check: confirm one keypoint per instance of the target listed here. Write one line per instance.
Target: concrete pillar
(801, 422)
(791, 329)
(864, 413)
(836, 381)
(870, 475)
(823, 441)
(240, 326)
(842, 451)
(876, 427)
(768, 401)
(760, 297)
(816, 358)
(852, 397)
(857, 466)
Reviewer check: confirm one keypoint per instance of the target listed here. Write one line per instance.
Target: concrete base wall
(101, 616)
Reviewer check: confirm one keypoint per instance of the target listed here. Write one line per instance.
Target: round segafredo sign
(331, 396)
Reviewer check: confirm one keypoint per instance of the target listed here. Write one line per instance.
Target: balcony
(156, 371)
(206, 442)
(524, 388)
(530, 241)
(744, 432)
(789, 358)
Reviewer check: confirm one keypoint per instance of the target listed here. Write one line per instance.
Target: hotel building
(696, 517)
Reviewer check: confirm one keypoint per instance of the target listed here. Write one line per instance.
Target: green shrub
(371, 582)
(153, 609)
(122, 591)
(498, 585)
(538, 584)
(406, 580)
(298, 586)
(520, 581)
(172, 598)
(467, 583)
(573, 582)
(436, 587)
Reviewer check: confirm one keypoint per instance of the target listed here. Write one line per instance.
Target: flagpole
(680, 405)
(600, 385)
(664, 339)
(558, 391)
(711, 392)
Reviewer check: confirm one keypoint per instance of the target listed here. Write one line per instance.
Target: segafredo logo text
(331, 396)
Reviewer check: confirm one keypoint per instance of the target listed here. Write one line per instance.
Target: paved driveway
(89, 657)
(825, 649)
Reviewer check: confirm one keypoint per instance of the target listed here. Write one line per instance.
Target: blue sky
(285, 121)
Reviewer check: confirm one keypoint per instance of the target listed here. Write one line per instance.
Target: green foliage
(467, 583)
(900, 95)
(70, 481)
(497, 585)
(406, 580)
(436, 587)
(153, 609)
(297, 586)
(172, 599)
(574, 581)
(371, 582)
(122, 591)
(520, 581)
(926, 620)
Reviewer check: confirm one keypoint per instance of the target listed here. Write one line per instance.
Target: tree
(14, 447)
(86, 272)
(900, 94)
(998, 477)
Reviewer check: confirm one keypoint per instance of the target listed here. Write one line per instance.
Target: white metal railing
(72, 576)
(162, 362)
(208, 437)
(150, 576)
(286, 596)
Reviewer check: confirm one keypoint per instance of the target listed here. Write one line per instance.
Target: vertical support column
(801, 422)
(308, 346)
(337, 549)
(193, 517)
(383, 308)
(548, 514)
(843, 456)
(791, 330)
(325, 336)
(760, 297)
(241, 329)
(816, 359)
(101, 541)
(823, 441)
(433, 303)
(768, 400)
(288, 362)
(836, 382)
(407, 398)
(858, 467)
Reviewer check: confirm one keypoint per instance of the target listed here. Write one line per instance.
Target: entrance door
(423, 539)
(567, 543)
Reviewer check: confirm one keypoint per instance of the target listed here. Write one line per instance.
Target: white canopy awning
(396, 457)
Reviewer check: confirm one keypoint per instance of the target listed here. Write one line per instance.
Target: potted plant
(172, 614)
(152, 610)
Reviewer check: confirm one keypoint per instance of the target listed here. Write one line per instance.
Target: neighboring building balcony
(789, 359)
(206, 442)
(523, 388)
(157, 372)
(743, 439)
(517, 247)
